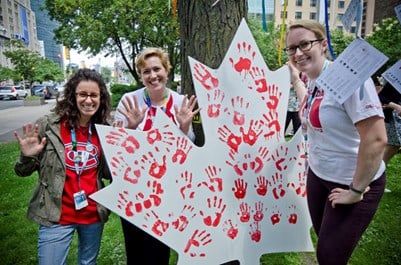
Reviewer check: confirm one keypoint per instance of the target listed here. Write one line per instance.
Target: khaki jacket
(45, 205)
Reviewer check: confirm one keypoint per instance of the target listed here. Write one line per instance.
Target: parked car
(46, 91)
(12, 92)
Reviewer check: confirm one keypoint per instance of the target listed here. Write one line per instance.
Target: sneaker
(387, 190)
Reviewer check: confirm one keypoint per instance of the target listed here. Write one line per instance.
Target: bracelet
(351, 187)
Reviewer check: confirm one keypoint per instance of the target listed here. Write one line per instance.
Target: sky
(80, 58)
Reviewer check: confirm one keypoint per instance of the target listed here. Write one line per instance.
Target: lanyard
(148, 101)
(81, 156)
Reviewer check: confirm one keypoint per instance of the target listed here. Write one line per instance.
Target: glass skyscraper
(44, 28)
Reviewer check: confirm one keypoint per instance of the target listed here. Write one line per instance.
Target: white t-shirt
(140, 95)
(332, 136)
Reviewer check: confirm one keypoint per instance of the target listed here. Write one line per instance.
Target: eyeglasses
(303, 46)
(84, 96)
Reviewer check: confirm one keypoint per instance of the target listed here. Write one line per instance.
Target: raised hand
(132, 112)
(186, 113)
(30, 144)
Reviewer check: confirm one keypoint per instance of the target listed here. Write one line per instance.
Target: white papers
(393, 76)
(351, 69)
(350, 14)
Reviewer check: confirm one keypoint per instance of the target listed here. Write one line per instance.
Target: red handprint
(156, 170)
(239, 107)
(120, 167)
(258, 216)
(244, 213)
(258, 75)
(240, 188)
(230, 229)
(278, 190)
(159, 227)
(301, 188)
(226, 136)
(275, 217)
(123, 139)
(274, 98)
(218, 209)
(197, 240)
(280, 158)
(203, 75)
(255, 232)
(213, 109)
(215, 183)
(272, 124)
(154, 135)
(182, 221)
(128, 205)
(261, 187)
(254, 130)
(243, 64)
(183, 148)
(293, 217)
(187, 177)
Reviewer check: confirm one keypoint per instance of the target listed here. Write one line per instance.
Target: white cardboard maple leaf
(239, 196)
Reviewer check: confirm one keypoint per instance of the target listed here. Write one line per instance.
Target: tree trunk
(207, 28)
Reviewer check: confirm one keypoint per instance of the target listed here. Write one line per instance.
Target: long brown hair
(67, 106)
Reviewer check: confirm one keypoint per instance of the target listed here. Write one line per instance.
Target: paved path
(12, 119)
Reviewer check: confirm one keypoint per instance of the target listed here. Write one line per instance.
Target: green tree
(206, 33)
(268, 43)
(30, 65)
(116, 27)
(386, 37)
(340, 41)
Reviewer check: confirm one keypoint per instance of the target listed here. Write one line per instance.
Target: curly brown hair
(67, 106)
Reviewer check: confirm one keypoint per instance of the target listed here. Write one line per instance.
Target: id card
(80, 200)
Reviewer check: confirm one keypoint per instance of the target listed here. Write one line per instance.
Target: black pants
(142, 248)
(296, 120)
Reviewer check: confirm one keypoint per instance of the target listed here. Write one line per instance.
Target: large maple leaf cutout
(239, 196)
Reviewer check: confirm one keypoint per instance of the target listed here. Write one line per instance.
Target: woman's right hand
(30, 144)
(131, 112)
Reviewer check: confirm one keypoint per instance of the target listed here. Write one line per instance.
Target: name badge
(80, 200)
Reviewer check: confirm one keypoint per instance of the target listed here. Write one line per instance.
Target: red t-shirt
(85, 179)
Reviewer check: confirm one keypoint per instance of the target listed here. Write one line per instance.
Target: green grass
(381, 244)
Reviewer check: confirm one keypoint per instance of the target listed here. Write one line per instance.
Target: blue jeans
(54, 243)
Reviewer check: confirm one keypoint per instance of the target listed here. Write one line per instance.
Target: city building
(17, 21)
(373, 11)
(25, 20)
(44, 28)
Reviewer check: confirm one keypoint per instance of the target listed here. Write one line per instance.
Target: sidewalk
(12, 119)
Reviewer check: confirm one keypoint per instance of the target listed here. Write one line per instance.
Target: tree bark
(207, 28)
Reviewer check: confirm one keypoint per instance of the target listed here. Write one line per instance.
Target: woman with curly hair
(64, 148)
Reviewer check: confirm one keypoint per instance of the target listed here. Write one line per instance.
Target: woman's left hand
(186, 113)
(345, 196)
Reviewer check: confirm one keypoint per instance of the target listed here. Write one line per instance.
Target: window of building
(298, 3)
(298, 15)
(312, 15)
(313, 3)
(282, 12)
(341, 4)
(340, 28)
(340, 16)
(353, 29)
(328, 3)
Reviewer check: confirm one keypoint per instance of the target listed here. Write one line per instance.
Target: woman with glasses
(64, 148)
(346, 177)
(136, 110)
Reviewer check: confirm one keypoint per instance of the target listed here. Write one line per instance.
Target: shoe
(387, 190)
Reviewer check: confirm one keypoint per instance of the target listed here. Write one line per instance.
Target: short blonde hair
(149, 52)
(311, 25)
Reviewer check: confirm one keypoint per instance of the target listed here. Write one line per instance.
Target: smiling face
(154, 75)
(309, 62)
(88, 100)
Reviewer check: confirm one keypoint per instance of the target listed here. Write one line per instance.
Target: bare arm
(373, 141)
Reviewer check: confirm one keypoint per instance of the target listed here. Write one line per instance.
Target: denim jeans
(54, 243)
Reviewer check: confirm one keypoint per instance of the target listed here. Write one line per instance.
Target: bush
(118, 90)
